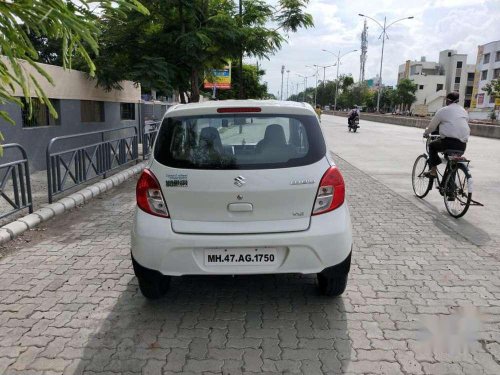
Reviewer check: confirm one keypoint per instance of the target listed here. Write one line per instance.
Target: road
(387, 152)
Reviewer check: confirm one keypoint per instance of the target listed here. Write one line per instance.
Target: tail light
(331, 192)
(149, 196)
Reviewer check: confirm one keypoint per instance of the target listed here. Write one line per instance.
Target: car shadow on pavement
(219, 324)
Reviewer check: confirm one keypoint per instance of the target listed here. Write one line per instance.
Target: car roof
(281, 107)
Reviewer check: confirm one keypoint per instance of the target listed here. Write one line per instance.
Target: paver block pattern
(420, 300)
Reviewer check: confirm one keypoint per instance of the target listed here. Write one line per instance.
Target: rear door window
(239, 142)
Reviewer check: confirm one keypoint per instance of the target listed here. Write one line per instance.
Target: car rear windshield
(239, 142)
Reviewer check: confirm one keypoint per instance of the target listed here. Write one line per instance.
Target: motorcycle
(353, 123)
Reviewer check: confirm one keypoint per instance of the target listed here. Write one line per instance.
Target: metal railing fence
(69, 166)
(15, 184)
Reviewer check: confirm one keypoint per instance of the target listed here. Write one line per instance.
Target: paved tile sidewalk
(421, 299)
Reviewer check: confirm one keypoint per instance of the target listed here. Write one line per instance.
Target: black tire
(421, 185)
(331, 286)
(153, 284)
(154, 288)
(355, 128)
(457, 197)
(349, 128)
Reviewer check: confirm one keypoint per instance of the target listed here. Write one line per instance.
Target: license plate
(240, 257)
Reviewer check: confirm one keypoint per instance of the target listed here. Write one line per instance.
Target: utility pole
(324, 72)
(240, 91)
(316, 88)
(339, 57)
(282, 73)
(364, 50)
(287, 79)
(383, 36)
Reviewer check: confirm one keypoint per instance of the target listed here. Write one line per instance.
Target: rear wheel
(457, 196)
(421, 185)
(331, 286)
(153, 284)
(154, 288)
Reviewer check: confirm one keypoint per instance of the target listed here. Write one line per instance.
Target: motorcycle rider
(352, 115)
(454, 131)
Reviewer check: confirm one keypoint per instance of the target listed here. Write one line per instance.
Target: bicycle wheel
(457, 196)
(421, 185)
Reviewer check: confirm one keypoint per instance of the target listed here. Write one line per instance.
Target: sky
(461, 25)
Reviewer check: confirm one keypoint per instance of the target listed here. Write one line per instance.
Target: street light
(287, 78)
(316, 85)
(282, 72)
(383, 36)
(324, 72)
(339, 57)
(305, 84)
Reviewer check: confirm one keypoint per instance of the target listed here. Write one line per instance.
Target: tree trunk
(182, 97)
(195, 88)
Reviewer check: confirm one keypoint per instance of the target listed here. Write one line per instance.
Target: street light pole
(316, 85)
(337, 83)
(282, 73)
(383, 36)
(324, 73)
(339, 57)
(287, 79)
(381, 62)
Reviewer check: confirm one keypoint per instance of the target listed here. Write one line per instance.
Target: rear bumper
(325, 244)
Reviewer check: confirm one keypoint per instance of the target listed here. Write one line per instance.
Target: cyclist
(318, 111)
(453, 124)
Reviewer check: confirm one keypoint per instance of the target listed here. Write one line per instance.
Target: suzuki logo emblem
(239, 181)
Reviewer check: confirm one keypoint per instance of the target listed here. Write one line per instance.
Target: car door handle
(240, 207)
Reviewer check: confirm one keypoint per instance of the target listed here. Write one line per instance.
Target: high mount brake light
(149, 196)
(239, 109)
(331, 192)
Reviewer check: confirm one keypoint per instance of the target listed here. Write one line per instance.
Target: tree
(405, 92)
(251, 80)
(24, 25)
(187, 38)
(389, 99)
(493, 88)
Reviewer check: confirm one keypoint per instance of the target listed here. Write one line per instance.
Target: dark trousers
(442, 144)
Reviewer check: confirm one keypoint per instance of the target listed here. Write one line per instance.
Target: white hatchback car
(241, 187)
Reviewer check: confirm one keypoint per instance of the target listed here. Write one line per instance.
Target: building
(435, 79)
(459, 75)
(430, 81)
(81, 106)
(487, 68)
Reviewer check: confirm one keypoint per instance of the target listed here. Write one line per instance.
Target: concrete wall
(73, 84)
(70, 87)
(488, 131)
(35, 140)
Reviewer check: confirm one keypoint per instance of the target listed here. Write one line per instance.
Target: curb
(16, 228)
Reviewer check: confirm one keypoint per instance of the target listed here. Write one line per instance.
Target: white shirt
(453, 122)
(353, 111)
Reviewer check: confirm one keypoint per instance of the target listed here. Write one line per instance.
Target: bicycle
(455, 184)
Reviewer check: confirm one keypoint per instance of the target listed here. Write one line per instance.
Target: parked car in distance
(241, 187)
